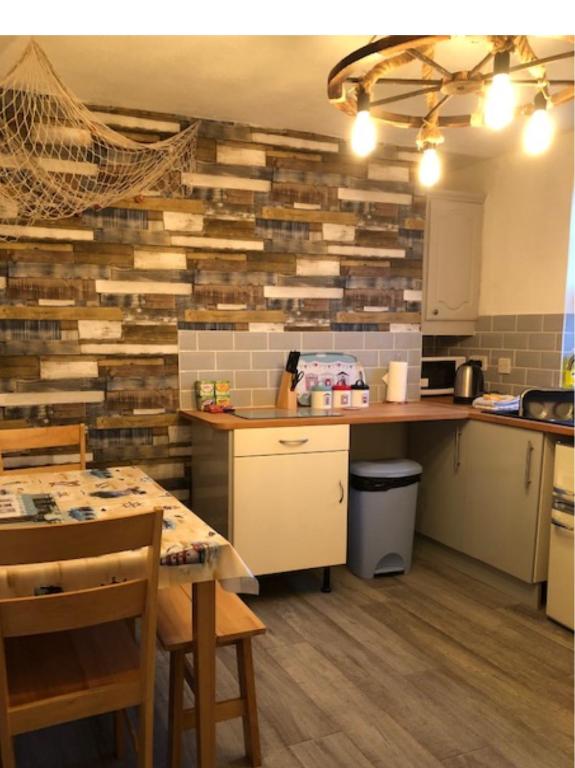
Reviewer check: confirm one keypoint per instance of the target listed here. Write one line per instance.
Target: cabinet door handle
(294, 443)
(457, 450)
(341, 492)
(435, 312)
(563, 527)
(528, 461)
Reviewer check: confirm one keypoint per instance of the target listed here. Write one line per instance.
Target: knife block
(286, 399)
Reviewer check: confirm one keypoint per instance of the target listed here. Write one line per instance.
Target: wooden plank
(132, 422)
(310, 215)
(373, 196)
(217, 243)
(176, 204)
(228, 154)
(378, 317)
(282, 140)
(301, 292)
(20, 399)
(138, 287)
(157, 259)
(183, 222)
(230, 316)
(57, 369)
(366, 251)
(22, 312)
(199, 180)
(45, 233)
(129, 349)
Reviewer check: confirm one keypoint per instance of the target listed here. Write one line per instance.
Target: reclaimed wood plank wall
(273, 230)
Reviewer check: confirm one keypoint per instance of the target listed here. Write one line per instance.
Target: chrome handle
(294, 443)
(342, 492)
(528, 460)
(457, 450)
(562, 525)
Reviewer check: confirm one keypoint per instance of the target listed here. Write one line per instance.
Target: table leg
(204, 623)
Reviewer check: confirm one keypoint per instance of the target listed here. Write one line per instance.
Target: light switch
(504, 365)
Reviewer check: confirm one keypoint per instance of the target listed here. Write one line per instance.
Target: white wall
(525, 229)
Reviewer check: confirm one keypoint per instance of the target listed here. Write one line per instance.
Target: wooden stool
(236, 624)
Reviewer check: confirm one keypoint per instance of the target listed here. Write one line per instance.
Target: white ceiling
(270, 81)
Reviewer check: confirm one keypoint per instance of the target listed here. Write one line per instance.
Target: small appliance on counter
(554, 405)
(469, 382)
(438, 375)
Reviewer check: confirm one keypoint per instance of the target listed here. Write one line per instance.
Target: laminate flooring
(428, 670)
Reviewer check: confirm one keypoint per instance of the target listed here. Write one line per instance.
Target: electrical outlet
(504, 365)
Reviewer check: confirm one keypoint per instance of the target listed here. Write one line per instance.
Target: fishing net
(57, 159)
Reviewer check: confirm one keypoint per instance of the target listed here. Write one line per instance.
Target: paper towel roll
(396, 380)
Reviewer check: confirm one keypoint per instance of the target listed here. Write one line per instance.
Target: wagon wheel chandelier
(508, 66)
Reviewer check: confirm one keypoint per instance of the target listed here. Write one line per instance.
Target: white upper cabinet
(452, 263)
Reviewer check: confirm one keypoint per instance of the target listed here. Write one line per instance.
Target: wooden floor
(428, 670)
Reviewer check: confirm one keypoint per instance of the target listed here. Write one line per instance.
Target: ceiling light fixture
(366, 82)
(539, 129)
(500, 98)
(364, 132)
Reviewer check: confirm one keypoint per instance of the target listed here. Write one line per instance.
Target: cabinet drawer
(281, 440)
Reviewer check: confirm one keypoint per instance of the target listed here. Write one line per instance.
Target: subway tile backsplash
(533, 343)
(253, 361)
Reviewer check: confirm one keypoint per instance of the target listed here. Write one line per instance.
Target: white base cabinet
(484, 493)
(289, 497)
(290, 512)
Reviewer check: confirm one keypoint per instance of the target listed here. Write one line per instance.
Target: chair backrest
(27, 544)
(29, 438)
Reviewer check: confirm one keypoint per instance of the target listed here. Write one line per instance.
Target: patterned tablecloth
(190, 551)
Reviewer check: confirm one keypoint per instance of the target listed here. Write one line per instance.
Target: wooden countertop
(436, 409)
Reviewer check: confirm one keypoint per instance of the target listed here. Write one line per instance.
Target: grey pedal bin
(382, 501)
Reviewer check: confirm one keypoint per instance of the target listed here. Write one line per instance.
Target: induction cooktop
(282, 413)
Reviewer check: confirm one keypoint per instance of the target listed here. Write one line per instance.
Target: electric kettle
(468, 382)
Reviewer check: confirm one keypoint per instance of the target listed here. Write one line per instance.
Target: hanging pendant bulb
(539, 130)
(429, 171)
(500, 99)
(364, 133)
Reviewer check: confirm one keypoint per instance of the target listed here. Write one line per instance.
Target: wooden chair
(236, 624)
(72, 655)
(18, 440)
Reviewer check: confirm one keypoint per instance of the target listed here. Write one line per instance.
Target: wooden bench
(236, 624)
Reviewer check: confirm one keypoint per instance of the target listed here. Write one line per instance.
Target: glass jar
(341, 396)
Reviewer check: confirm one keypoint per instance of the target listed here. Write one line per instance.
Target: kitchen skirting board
(253, 361)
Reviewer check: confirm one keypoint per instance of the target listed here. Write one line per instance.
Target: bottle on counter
(321, 398)
(568, 372)
(359, 394)
(341, 395)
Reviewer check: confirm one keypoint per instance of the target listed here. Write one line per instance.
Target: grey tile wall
(533, 343)
(253, 361)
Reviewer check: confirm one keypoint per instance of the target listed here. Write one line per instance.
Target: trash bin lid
(386, 468)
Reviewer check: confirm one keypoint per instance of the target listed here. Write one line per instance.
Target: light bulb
(538, 132)
(429, 167)
(499, 102)
(364, 134)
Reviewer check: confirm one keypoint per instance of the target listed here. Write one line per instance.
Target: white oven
(560, 576)
(438, 375)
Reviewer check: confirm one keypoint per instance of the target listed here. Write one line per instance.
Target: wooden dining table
(191, 552)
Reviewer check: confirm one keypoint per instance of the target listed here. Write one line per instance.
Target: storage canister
(321, 398)
(359, 394)
(341, 396)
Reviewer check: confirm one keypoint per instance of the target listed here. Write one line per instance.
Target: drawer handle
(341, 492)
(294, 443)
(564, 527)
(528, 458)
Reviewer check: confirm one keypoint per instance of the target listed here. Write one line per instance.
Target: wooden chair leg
(7, 753)
(146, 734)
(247, 681)
(176, 709)
(119, 734)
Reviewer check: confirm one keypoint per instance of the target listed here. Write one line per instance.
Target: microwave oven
(438, 375)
